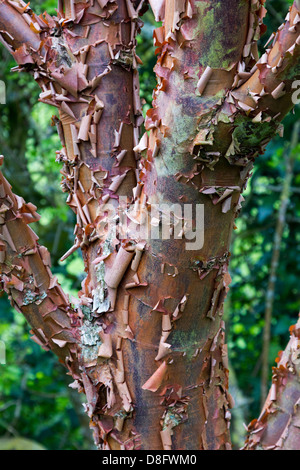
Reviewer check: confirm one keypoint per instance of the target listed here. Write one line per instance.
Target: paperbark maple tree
(145, 341)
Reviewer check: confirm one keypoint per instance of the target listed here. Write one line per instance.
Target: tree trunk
(146, 340)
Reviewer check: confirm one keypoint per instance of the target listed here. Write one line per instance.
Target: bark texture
(145, 342)
(28, 281)
(278, 427)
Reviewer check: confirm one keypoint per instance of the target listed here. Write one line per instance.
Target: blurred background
(37, 409)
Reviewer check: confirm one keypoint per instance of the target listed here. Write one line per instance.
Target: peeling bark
(208, 135)
(278, 426)
(84, 60)
(27, 279)
(146, 338)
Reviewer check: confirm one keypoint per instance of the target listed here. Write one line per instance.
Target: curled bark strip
(155, 381)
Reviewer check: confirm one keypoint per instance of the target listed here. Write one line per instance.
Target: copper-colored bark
(82, 68)
(29, 283)
(150, 352)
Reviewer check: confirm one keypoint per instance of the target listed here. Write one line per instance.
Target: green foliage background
(35, 402)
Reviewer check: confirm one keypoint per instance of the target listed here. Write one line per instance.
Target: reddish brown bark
(273, 274)
(29, 283)
(216, 130)
(278, 426)
(150, 352)
(86, 66)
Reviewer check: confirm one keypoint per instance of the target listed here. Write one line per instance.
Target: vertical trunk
(190, 410)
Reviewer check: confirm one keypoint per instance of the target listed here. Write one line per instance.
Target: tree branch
(18, 26)
(269, 89)
(29, 283)
(277, 428)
